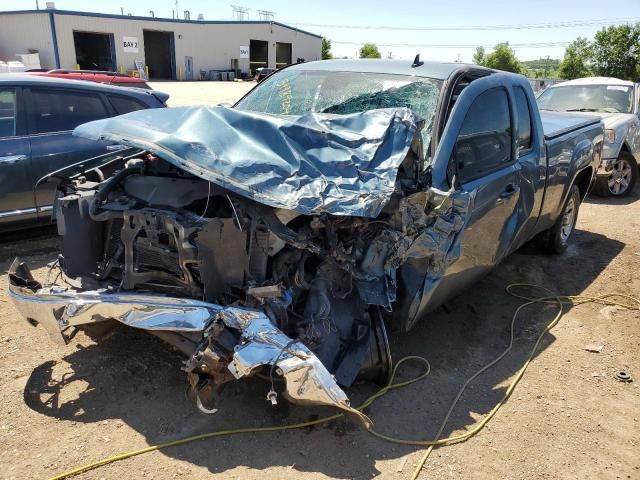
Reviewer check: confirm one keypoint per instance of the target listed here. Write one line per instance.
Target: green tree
(616, 52)
(326, 49)
(370, 50)
(479, 57)
(542, 67)
(577, 57)
(504, 58)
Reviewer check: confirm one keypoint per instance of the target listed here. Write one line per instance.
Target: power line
(522, 26)
(433, 45)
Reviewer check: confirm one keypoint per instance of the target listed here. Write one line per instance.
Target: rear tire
(622, 179)
(556, 239)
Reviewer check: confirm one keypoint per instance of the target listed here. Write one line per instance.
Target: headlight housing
(610, 136)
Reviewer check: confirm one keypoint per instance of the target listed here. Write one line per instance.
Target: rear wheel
(622, 178)
(556, 239)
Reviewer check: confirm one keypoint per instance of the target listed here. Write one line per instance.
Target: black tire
(609, 186)
(556, 239)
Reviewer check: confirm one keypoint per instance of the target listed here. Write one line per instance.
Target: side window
(7, 112)
(524, 120)
(484, 141)
(125, 105)
(59, 110)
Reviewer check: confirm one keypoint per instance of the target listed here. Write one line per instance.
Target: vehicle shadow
(40, 244)
(133, 377)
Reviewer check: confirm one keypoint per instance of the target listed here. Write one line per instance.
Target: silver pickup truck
(616, 103)
(285, 234)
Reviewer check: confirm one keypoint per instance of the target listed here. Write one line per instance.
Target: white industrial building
(168, 48)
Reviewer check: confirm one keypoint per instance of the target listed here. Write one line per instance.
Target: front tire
(556, 239)
(622, 179)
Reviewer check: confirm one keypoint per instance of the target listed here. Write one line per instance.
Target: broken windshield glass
(293, 92)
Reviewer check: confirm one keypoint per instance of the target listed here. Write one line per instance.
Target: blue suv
(37, 116)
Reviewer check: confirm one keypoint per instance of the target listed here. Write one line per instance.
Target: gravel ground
(62, 407)
(202, 93)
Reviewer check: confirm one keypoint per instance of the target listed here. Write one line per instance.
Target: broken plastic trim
(57, 308)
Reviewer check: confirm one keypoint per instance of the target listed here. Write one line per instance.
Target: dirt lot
(62, 407)
(202, 93)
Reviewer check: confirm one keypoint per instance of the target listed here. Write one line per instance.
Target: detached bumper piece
(232, 342)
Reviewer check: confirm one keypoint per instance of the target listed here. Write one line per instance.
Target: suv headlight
(610, 136)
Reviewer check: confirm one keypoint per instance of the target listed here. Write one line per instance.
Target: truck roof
(593, 81)
(437, 70)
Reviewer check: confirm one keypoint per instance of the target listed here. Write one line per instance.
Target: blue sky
(351, 14)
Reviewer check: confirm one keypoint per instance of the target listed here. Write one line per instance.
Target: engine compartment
(156, 229)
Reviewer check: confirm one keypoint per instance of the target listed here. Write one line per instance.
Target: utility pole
(546, 66)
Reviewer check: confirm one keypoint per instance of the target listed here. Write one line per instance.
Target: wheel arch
(583, 180)
(626, 149)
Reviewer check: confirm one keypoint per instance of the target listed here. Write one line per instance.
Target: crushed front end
(242, 280)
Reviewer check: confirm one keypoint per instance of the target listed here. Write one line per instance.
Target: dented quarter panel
(568, 155)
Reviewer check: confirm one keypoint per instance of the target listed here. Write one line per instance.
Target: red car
(111, 78)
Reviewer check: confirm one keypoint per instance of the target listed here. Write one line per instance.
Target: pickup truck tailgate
(556, 124)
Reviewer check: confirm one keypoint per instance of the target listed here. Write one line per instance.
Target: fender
(582, 158)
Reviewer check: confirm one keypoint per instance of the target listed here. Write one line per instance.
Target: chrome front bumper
(606, 167)
(59, 308)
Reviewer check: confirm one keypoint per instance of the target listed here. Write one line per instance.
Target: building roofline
(159, 19)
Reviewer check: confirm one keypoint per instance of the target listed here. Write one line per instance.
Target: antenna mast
(266, 15)
(240, 13)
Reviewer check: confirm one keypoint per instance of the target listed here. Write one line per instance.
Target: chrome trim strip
(17, 213)
(26, 211)
(12, 158)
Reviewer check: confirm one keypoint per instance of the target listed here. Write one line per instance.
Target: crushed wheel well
(583, 180)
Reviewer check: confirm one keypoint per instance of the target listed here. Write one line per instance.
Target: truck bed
(555, 124)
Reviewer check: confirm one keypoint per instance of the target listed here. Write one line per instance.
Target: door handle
(12, 158)
(510, 190)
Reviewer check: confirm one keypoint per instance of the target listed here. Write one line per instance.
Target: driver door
(478, 149)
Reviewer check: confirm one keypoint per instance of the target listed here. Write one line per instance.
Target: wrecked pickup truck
(281, 237)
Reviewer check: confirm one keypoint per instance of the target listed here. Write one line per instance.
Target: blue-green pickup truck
(285, 234)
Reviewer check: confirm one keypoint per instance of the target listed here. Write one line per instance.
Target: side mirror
(224, 104)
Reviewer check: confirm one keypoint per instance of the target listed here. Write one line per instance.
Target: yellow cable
(558, 300)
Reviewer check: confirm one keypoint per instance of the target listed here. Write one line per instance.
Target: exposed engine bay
(241, 287)
(155, 229)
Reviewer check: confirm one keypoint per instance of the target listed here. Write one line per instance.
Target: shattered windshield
(588, 98)
(295, 92)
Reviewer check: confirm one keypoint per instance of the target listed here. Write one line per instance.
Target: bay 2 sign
(130, 44)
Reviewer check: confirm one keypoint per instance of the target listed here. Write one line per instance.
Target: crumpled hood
(339, 164)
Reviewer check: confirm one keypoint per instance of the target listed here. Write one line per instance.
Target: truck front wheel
(621, 180)
(556, 239)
